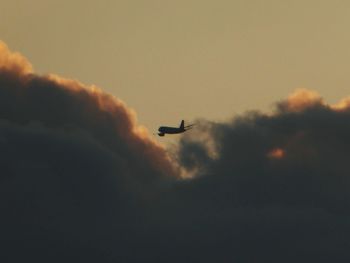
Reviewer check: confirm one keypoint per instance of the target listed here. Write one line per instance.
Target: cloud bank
(81, 181)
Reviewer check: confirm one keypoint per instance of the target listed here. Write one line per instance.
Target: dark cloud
(73, 162)
(280, 180)
(81, 181)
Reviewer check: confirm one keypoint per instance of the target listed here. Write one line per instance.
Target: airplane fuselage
(170, 130)
(174, 130)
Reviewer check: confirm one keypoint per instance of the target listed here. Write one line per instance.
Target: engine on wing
(161, 134)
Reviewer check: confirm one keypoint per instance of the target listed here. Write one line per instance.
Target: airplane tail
(182, 125)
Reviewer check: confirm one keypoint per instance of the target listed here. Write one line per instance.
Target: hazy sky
(80, 182)
(184, 59)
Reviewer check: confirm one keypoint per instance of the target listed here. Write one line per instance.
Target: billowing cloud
(58, 103)
(81, 181)
(301, 100)
(13, 62)
(71, 157)
(281, 180)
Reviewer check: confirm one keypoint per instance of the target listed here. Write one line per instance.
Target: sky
(173, 60)
(82, 180)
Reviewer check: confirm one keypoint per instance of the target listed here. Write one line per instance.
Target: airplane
(174, 130)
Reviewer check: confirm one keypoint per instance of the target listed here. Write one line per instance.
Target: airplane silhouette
(174, 130)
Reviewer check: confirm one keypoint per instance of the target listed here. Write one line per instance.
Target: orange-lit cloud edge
(302, 99)
(137, 136)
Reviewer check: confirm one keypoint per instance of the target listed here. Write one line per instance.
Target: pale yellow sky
(185, 59)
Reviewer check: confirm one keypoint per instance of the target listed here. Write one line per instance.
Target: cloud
(13, 62)
(80, 180)
(67, 104)
(73, 159)
(301, 100)
(279, 179)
